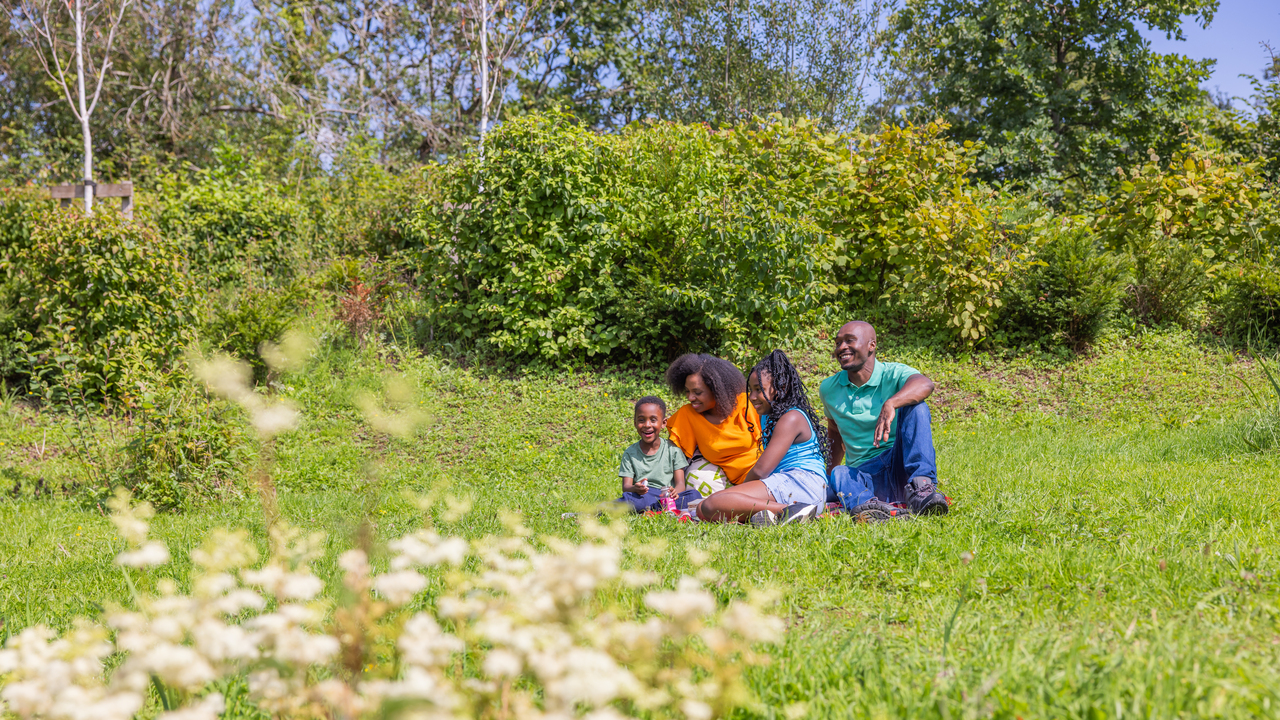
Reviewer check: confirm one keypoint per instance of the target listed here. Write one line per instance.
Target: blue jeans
(885, 476)
(649, 500)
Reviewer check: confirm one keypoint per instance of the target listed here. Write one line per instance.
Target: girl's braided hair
(725, 381)
(788, 394)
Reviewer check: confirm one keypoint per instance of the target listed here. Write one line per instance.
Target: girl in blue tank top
(789, 481)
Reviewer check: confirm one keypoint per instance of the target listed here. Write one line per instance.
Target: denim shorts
(797, 486)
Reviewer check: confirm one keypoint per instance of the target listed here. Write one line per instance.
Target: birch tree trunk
(484, 73)
(84, 110)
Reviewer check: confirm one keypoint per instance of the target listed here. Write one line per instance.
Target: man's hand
(884, 424)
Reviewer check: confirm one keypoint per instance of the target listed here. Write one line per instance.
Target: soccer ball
(704, 477)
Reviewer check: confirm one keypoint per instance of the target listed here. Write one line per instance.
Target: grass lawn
(1111, 551)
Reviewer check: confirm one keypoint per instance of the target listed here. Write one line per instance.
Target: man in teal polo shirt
(878, 423)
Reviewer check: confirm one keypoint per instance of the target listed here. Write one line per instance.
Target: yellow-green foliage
(1187, 225)
(561, 242)
(97, 295)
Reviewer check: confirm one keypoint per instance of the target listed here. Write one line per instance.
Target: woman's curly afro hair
(725, 381)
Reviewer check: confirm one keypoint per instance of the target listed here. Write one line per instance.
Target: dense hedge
(561, 242)
(89, 297)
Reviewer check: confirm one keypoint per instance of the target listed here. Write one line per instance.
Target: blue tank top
(804, 455)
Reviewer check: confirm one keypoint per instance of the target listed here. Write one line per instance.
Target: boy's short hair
(651, 400)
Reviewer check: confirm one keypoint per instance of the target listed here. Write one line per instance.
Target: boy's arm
(629, 485)
(677, 483)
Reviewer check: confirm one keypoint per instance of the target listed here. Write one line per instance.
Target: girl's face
(760, 392)
(698, 395)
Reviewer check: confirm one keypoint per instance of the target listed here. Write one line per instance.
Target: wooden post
(124, 191)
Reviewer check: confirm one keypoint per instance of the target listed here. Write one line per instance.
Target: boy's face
(649, 421)
(758, 391)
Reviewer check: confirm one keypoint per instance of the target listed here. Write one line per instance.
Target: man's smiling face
(855, 345)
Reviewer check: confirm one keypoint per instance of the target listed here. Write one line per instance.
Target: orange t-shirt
(734, 444)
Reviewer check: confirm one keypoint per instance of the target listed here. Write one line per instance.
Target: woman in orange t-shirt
(718, 422)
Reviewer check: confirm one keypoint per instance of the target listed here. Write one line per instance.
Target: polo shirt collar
(877, 374)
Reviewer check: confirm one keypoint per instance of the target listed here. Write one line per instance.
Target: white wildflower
(149, 555)
(355, 570)
(237, 601)
(178, 666)
(426, 548)
(591, 677)
(130, 520)
(695, 709)
(400, 587)
(221, 642)
(753, 625)
(687, 602)
(502, 664)
(224, 550)
(271, 420)
(423, 643)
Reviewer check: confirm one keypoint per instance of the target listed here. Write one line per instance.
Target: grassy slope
(1123, 553)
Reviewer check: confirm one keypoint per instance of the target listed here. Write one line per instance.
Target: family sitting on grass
(761, 436)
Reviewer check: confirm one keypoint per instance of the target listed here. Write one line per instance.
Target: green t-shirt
(659, 468)
(856, 409)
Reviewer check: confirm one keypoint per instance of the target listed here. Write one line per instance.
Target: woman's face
(759, 391)
(698, 395)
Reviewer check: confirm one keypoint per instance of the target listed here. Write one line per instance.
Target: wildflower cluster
(529, 612)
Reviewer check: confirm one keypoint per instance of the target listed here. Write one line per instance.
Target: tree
(59, 41)
(725, 61)
(1061, 92)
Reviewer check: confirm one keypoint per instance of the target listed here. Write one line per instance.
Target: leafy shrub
(93, 291)
(362, 290)
(17, 211)
(246, 318)
(179, 444)
(669, 237)
(1186, 226)
(235, 226)
(1067, 296)
(1250, 302)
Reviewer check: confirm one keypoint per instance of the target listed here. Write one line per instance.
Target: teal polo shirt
(856, 409)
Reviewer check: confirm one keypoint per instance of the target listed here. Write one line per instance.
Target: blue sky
(1232, 39)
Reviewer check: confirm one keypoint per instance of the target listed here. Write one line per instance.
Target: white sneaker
(764, 518)
(800, 513)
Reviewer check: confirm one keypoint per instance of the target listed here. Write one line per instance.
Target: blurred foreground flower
(534, 616)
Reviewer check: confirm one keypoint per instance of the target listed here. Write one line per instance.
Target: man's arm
(914, 390)
(835, 446)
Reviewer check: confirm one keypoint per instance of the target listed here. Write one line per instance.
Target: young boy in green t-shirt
(653, 468)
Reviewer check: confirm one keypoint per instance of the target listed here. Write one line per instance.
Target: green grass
(1120, 542)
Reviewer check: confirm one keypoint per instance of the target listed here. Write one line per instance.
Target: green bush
(1067, 296)
(243, 319)
(1188, 226)
(236, 228)
(92, 291)
(564, 243)
(1249, 303)
(17, 212)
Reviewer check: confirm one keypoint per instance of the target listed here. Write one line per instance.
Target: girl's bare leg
(738, 503)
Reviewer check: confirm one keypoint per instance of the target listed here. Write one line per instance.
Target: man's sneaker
(764, 518)
(874, 511)
(799, 513)
(923, 497)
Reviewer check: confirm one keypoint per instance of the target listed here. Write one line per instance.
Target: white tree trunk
(84, 110)
(484, 73)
